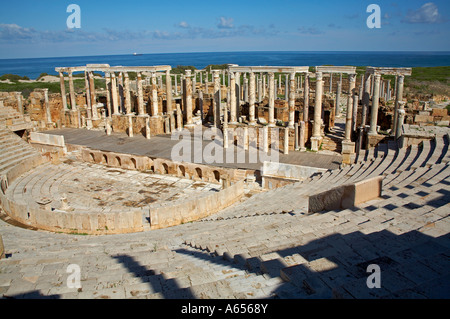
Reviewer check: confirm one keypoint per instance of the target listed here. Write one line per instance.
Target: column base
(315, 143)
(271, 125)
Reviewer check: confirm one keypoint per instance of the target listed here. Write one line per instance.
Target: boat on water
(137, 54)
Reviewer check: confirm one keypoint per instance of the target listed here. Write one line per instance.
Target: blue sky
(38, 28)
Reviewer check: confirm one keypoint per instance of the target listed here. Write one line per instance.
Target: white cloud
(428, 13)
(183, 24)
(225, 23)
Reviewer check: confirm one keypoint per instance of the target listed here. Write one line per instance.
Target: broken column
(47, 106)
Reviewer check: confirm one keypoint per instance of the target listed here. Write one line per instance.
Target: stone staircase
(333, 141)
(266, 246)
(13, 119)
(13, 150)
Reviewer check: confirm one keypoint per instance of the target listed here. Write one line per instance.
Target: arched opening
(199, 172)
(165, 168)
(105, 159)
(133, 164)
(217, 176)
(92, 157)
(118, 161)
(182, 170)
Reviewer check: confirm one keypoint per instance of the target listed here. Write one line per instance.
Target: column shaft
(375, 103)
(252, 95)
(271, 99)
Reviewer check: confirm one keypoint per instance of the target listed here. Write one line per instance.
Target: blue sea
(33, 67)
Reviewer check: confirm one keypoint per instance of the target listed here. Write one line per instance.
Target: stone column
(188, 88)
(115, 100)
(287, 88)
(291, 99)
(19, 101)
(316, 134)
(140, 94)
(63, 91)
(147, 127)
(252, 94)
(271, 99)
(176, 85)
(400, 120)
(348, 147)
(375, 103)
(120, 92)
(351, 86)
(306, 100)
(127, 93)
(238, 94)
(169, 92)
(216, 99)
(130, 125)
(154, 95)
(286, 140)
(302, 139)
(348, 118)
(88, 95)
(355, 102)
(337, 107)
(233, 117)
(365, 99)
(47, 106)
(398, 98)
(108, 93)
(246, 89)
(388, 91)
(260, 90)
(179, 118)
(73, 102)
(92, 92)
(200, 103)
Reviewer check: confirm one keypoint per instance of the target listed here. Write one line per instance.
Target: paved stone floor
(97, 188)
(161, 146)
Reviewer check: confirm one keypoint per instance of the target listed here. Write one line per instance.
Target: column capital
(319, 76)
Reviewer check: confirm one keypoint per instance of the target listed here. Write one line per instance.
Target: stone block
(346, 196)
(439, 112)
(423, 119)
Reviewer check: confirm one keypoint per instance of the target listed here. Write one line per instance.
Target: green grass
(27, 88)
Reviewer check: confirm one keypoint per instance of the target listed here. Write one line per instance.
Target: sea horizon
(33, 67)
